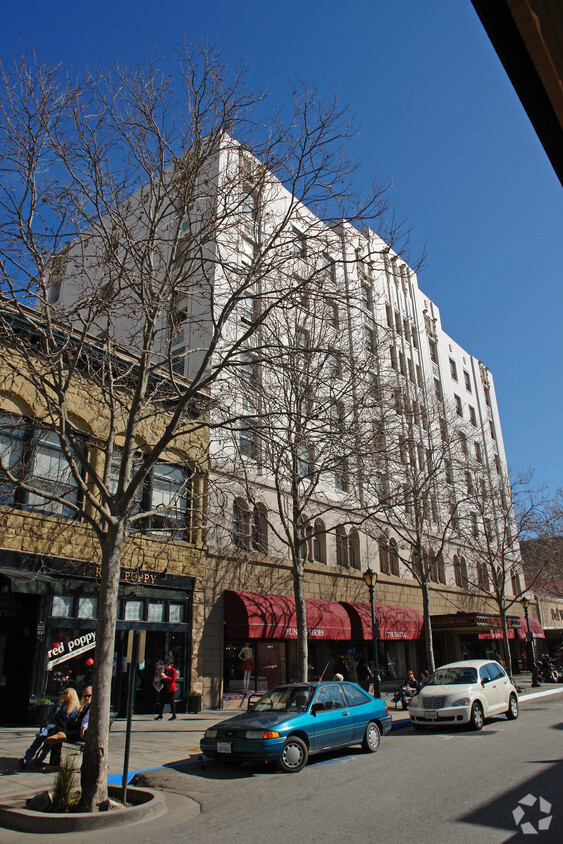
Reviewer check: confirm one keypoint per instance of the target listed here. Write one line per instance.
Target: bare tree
(542, 550)
(132, 228)
(498, 515)
(294, 452)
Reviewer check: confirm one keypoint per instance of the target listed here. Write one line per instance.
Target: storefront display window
(87, 607)
(133, 610)
(62, 606)
(176, 614)
(155, 611)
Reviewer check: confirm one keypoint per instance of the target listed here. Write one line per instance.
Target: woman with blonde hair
(51, 736)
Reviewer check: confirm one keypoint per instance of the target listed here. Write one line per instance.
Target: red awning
(393, 622)
(535, 629)
(250, 615)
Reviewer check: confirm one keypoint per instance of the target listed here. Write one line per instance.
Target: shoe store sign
(62, 651)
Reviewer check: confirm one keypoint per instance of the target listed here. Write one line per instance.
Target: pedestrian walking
(169, 676)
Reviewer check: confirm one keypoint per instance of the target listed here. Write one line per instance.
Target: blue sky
(437, 115)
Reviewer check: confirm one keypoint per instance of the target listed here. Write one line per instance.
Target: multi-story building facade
(348, 430)
(50, 557)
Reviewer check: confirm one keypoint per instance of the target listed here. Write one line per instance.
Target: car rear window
(355, 695)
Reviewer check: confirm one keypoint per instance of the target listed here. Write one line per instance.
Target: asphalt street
(437, 786)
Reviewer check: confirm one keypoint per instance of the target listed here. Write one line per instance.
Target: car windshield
(284, 699)
(453, 677)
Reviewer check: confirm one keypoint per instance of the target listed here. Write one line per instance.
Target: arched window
(432, 569)
(341, 547)
(416, 564)
(241, 524)
(260, 529)
(354, 549)
(463, 567)
(515, 581)
(441, 569)
(457, 571)
(483, 577)
(383, 555)
(319, 541)
(393, 558)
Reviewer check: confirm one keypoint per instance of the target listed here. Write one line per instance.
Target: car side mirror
(317, 707)
(485, 680)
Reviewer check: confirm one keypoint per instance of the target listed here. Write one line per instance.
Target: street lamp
(370, 578)
(530, 645)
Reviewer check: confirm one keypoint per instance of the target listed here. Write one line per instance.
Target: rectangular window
(402, 364)
(155, 611)
(478, 452)
(341, 475)
(133, 611)
(488, 397)
(458, 405)
(411, 371)
(453, 369)
(467, 379)
(51, 472)
(369, 336)
(398, 323)
(438, 390)
(414, 337)
(87, 607)
(249, 209)
(169, 497)
(393, 353)
(367, 298)
(472, 416)
(176, 614)
(433, 351)
(299, 243)
(492, 429)
(62, 606)
(418, 375)
(389, 313)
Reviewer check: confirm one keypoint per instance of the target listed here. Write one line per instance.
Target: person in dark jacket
(364, 675)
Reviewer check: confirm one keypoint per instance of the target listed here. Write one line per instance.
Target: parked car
(465, 692)
(290, 722)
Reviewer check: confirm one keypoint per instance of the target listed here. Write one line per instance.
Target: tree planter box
(146, 804)
(194, 704)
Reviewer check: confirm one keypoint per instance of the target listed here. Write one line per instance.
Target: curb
(149, 804)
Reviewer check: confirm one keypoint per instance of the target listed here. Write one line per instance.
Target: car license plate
(431, 714)
(224, 747)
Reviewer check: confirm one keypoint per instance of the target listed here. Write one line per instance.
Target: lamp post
(530, 645)
(370, 578)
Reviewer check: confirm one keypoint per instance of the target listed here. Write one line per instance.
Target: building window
(453, 369)
(87, 607)
(458, 406)
(354, 549)
(433, 351)
(155, 611)
(472, 416)
(463, 443)
(249, 209)
(438, 390)
(341, 547)
(483, 577)
(176, 613)
(383, 555)
(478, 453)
(62, 606)
(299, 243)
(393, 354)
(488, 397)
(134, 611)
(467, 379)
(241, 524)
(319, 541)
(389, 314)
(515, 582)
(367, 298)
(170, 496)
(460, 571)
(260, 529)
(492, 429)
(393, 558)
(369, 336)
(341, 478)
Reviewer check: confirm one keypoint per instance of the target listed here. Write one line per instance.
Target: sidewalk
(158, 744)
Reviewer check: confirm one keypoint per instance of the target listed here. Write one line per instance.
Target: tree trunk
(429, 647)
(301, 617)
(505, 643)
(95, 759)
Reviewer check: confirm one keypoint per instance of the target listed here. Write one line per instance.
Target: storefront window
(155, 611)
(133, 611)
(62, 606)
(87, 607)
(176, 614)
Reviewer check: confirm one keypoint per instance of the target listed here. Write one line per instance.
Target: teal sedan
(289, 723)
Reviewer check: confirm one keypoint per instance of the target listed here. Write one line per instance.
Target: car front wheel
(512, 711)
(477, 716)
(372, 737)
(294, 756)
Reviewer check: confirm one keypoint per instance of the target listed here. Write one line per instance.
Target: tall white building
(334, 386)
